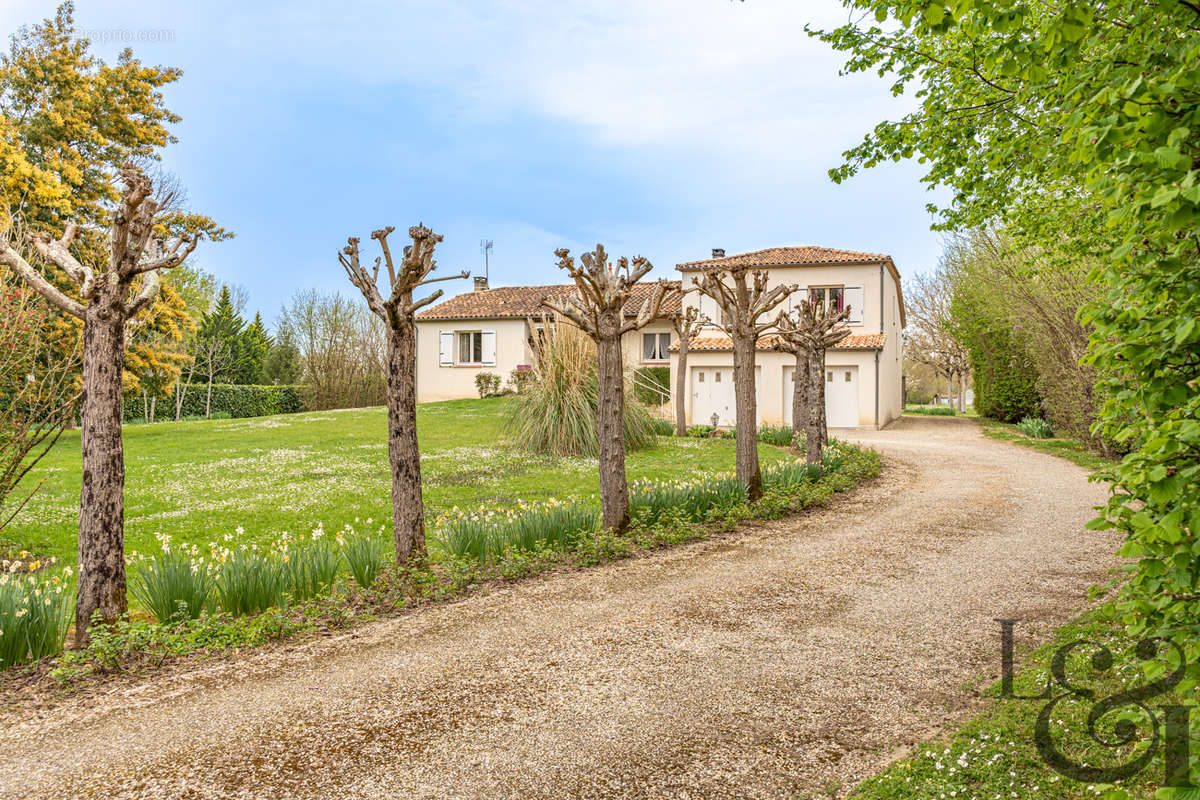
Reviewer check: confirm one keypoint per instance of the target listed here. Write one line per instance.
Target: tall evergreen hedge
(236, 400)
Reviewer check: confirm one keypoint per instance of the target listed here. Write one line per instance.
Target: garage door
(712, 393)
(841, 396)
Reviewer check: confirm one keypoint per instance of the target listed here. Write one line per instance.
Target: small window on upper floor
(833, 296)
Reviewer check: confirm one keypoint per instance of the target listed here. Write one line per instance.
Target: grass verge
(995, 755)
(1069, 449)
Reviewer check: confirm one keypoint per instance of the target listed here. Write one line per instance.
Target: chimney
(718, 252)
(480, 283)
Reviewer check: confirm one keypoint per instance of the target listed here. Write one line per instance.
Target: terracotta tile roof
(801, 257)
(785, 256)
(718, 341)
(519, 302)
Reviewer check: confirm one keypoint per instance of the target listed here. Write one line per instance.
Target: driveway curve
(790, 658)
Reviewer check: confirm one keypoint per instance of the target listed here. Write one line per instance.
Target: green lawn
(197, 481)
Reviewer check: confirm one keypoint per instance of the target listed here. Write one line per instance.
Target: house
(863, 385)
(492, 330)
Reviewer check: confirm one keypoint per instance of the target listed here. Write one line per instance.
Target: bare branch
(417, 304)
(173, 257)
(572, 313)
(651, 309)
(381, 237)
(10, 258)
(463, 274)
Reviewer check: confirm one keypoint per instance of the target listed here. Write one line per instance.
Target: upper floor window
(832, 296)
(654, 346)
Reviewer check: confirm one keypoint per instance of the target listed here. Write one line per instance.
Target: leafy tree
(282, 365)
(1077, 126)
(69, 121)
(254, 346)
(223, 327)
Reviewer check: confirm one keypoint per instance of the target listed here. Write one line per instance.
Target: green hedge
(232, 399)
(654, 376)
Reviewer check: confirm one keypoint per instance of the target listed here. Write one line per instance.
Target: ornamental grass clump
(173, 583)
(36, 609)
(557, 413)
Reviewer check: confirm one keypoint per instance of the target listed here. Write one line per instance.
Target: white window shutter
(489, 348)
(446, 348)
(853, 296)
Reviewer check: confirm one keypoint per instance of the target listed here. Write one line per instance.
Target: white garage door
(712, 393)
(841, 396)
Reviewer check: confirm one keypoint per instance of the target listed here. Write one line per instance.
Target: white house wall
(436, 382)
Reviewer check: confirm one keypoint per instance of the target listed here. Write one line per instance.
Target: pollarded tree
(745, 316)
(597, 307)
(396, 310)
(686, 324)
(807, 332)
(107, 304)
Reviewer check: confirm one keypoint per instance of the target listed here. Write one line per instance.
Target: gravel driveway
(791, 658)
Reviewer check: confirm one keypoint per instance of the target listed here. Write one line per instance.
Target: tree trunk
(681, 389)
(208, 398)
(748, 471)
(179, 390)
(102, 499)
(153, 406)
(145, 406)
(962, 392)
(610, 424)
(815, 432)
(408, 510)
(800, 394)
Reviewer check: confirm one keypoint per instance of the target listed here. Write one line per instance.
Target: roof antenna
(485, 247)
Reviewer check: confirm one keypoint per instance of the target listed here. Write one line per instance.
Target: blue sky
(658, 128)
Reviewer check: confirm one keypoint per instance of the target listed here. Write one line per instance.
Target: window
(833, 296)
(654, 346)
(717, 377)
(829, 377)
(699, 377)
(847, 377)
(470, 347)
